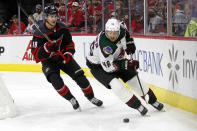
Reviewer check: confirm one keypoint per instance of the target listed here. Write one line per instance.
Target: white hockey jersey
(103, 51)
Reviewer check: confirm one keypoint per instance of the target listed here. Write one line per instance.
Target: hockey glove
(124, 64)
(130, 49)
(134, 63)
(51, 47)
(66, 57)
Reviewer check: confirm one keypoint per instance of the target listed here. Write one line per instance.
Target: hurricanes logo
(173, 66)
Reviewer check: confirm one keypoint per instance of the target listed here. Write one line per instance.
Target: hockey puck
(126, 120)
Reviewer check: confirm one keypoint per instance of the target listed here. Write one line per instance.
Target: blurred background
(142, 17)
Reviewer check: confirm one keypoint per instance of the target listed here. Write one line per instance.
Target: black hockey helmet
(50, 9)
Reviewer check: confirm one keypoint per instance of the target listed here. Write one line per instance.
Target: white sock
(134, 84)
(120, 90)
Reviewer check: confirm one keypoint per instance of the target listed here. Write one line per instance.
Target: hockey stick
(143, 97)
(141, 87)
(32, 19)
(37, 27)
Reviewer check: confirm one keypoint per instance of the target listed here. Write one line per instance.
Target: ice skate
(143, 110)
(75, 104)
(96, 101)
(157, 105)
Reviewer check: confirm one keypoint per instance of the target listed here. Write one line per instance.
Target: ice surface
(42, 109)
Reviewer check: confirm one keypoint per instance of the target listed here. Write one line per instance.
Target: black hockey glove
(134, 63)
(51, 47)
(130, 49)
(66, 57)
(124, 64)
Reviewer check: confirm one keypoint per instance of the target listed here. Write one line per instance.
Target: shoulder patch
(107, 50)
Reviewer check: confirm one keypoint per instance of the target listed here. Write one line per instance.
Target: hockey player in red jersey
(107, 63)
(57, 54)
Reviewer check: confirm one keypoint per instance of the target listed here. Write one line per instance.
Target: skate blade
(100, 106)
(147, 115)
(78, 109)
(163, 110)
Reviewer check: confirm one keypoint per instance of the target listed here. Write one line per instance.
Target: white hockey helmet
(112, 25)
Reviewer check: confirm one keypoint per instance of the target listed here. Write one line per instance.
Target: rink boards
(168, 66)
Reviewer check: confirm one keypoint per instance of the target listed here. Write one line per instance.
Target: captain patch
(107, 50)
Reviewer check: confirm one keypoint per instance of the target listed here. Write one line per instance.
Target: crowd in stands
(88, 17)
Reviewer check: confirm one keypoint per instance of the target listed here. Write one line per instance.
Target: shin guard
(65, 92)
(88, 92)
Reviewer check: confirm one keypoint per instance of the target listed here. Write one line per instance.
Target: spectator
(77, 16)
(163, 13)
(137, 21)
(119, 10)
(29, 29)
(97, 27)
(3, 28)
(154, 3)
(137, 17)
(179, 20)
(38, 16)
(138, 4)
(92, 6)
(15, 26)
(192, 26)
(188, 10)
(156, 23)
(57, 3)
(108, 10)
(69, 4)
(62, 13)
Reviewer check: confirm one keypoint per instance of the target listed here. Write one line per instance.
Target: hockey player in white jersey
(7, 107)
(107, 64)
